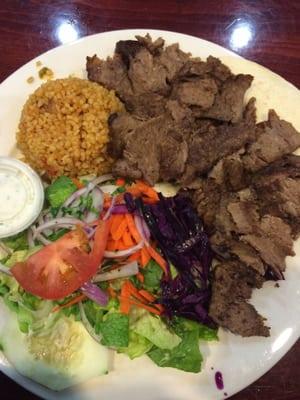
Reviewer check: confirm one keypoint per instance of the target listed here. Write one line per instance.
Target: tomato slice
(64, 266)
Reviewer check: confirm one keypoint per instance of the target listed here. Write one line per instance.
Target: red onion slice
(121, 272)
(101, 179)
(94, 293)
(98, 199)
(63, 222)
(74, 196)
(124, 253)
(108, 212)
(119, 209)
(30, 240)
(84, 191)
(42, 239)
(139, 227)
(145, 229)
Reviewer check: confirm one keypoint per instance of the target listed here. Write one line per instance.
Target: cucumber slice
(62, 356)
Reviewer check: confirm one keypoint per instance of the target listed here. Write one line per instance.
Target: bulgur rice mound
(64, 128)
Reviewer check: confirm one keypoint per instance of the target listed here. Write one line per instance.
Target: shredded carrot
(120, 245)
(148, 296)
(149, 200)
(119, 199)
(134, 291)
(74, 300)
(132, 228)
(159, 306)
(124, 299)
(147, 190)
(134, 256)
(145, 257)
(158, 258)
(78, 183)
(118, 232)
(111, 292)
(107, 201)
(128, 290)
(120, 182)
(111, 245)
(127, 238)
(151, 309)
(140, 277)
(116, 221)
(134, 191)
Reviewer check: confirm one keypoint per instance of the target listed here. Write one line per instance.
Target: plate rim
(9, 370)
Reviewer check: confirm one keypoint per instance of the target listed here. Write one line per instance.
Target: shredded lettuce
(32, 314)
(186, 356)
(207, 334)
(154, 329)
(119, 190)
(16, 242)
(137, 346)
(21, 255)
(31, 311)
(152, 274)
(58, 192)
(58, 234)
(181, 325)
(115, 330)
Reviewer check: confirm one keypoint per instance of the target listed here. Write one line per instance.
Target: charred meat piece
(229, 102)
(232, 287)
(111, 73)
(122, 126)
(269, 236)
(147, 74)
(206, 149)
(206, 199)
(173, 59)
(146, 105)
(233, 249)
(155, 47)
(153, 149)
(213, 68)
(218, 70)
(143, 67)
(200, 93)
(277, 139)
(128, 49)
(277, 188)
(186, 122)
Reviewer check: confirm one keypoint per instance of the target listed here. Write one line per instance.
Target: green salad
(94, 274)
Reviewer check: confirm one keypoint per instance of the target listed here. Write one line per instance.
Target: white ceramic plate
(241, 361)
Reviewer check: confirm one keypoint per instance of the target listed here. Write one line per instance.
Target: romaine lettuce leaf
(154, 329)
(58, 192)
(115, 330)
(186, 356)
(17, 242)
(152, 274)
(21, 255)
(137, 346)
(207, 334)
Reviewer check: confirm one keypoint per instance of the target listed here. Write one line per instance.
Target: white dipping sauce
(21, 196)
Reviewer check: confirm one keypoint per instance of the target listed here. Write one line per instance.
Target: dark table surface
(267, 32)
